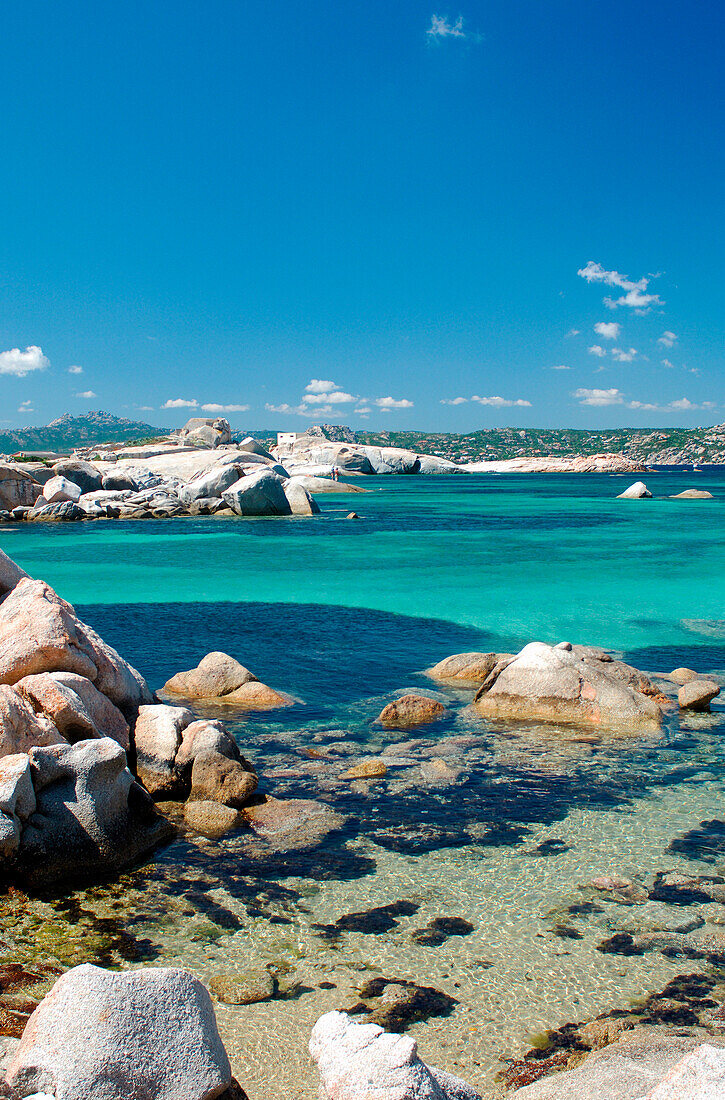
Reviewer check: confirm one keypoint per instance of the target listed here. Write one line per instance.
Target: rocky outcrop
(258, 494)
(207, 431)
(91, 817)
(157, 737)
(58, 490)
(697, 694)
(20, 726)
(693, 494)
(221, 678)
(300, 502)
(606, 462)
(637, 491)
(566, 684)
(410, 711)
(77, 708)
(361, 1061)
(17, 487)
(10, 574)
(148, 1033)
(84, 474)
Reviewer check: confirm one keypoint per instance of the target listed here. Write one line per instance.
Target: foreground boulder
(361, 1061)
(40, 632)
(149, 1034)
(20, 726)
(83, 474)
(637, 491)
(91, 817)
(567, 684)
(697, 694)
(77, 708)
(643, 1064)
(410, 711)
(223, 679)
(59, 489)
(258, 494)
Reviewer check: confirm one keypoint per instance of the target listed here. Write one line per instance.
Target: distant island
(650, 446)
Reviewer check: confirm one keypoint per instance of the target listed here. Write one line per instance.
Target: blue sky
(405, 215)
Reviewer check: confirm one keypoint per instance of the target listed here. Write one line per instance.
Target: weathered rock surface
(683, 675)
(157, 736)
(693, 494)
(147, 1034)
(77, 708)
(209, 431)
(211, 482)
(557, 684)
(247, 988)
(59, 489)
(17, 487)
(40, 632)
(91, 816)
(293, 824)
(20, 726)
(62, 511)
(630, 1069)
(10, 574)
(697, 694)
(637, 491)
(366, 769)
(216, 778)
(212, 819)
(700, 1075)
(85, 475)
(410, 711)
(467, 668)
(299, 500)
(361, 1062)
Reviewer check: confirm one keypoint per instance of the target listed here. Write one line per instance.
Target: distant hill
(69, 431)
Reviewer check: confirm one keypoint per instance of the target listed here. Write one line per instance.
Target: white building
(286, 440)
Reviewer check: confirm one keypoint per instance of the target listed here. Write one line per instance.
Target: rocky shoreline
(97, 770)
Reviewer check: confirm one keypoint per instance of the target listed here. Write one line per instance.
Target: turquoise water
(517, 557)
(344, 615)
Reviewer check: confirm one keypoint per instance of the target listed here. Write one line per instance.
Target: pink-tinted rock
(410, 711)
(75, 706)
(20, 726)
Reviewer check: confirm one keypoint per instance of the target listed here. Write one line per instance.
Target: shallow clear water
(343, 614)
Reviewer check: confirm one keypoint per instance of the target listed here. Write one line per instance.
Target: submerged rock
(557, 684)
(247, 988)
(293, 824)
(366, 769)
(212, 819)
(144, 1033)
(410, 711)
(359, 1061)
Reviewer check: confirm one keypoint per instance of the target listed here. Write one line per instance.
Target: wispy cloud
(441, 27)
(598, 350)
(667, 339)
(668, 363)
(180, 403)
(211, 407)
(603, 398)
(26, 407)
(635, 296)
(608, 330)
(87, 395)
(571, 332)
(75, 369)
(335, 397)
(501, 402)
(560, 366)
(20, 363)
(454, 400)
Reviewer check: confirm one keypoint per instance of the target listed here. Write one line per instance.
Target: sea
(344, 615)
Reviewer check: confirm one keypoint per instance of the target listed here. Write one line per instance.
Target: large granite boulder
(60, 489)
(91, 817)
(211, 482)
(150, 1034)
(17, 801)
(40, 632)
(693, 494)
(20, 726)
(157, 737)
(17, 487)
(221, 678)
(254, 447)
(392, 460)
(258, 494)
(10, 574)
(361, 1061)
(556, 684)
(301, 503)
(85, 475)
(77, 708)
(60, 511)
(433, 464)
(217, 778)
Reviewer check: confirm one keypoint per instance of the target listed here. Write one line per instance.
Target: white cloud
(392, 403)
(441, 27)
(212, 408)
(598, 350)
(635, 295)
(20, 363)
(87, 395)
(684, 403)
(501, 402)
(560, 366)
(337, 397)
(667, 339)
(599, 397)
(75, 369)
(454, 400)
(572, 332)
(608, 330)
(26, 407)
(667, 363)
(145, 408)
(319, 385)
(179, 403)
(363, 410)
(622, 356)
